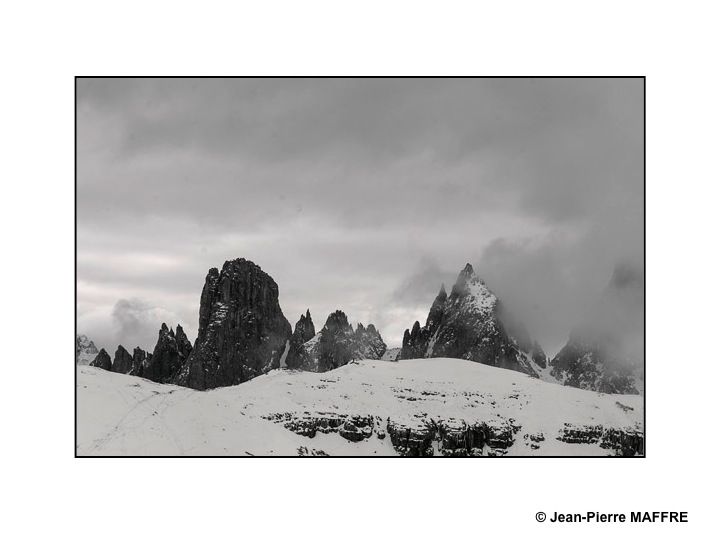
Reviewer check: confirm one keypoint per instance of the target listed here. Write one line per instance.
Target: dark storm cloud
(344, 190)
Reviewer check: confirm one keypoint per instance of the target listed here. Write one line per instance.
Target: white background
(46, 493)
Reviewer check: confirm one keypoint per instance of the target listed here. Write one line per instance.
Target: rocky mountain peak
(442, 294)
(304, 328)
(140, 359)
(368, 342)
(466, 277)
(85, 350)
(337, 322)
(467, 325)
(183, 343)
(102, 361)
(168, 356)
(123, 362)
(337, 344)
(242, 332)
(605, 350)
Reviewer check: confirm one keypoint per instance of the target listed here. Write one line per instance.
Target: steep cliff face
(304, 328)
(304, 332)
(336, 344)
(102, 361)
(469, 324)
(242, 330)
(605, 353)
(139, 360)
(171, 351)
(123, 362)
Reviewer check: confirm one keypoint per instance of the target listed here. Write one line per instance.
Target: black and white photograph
(395, 269)
(360, 267)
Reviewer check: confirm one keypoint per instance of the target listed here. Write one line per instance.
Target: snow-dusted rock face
(468, 324)
(170, 353)
(369, 343)
(423, 407)
(605, 352)
(85, 350)
(337, 344)
(242, 330)
(586, 361)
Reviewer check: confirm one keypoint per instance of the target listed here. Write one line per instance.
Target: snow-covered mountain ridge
(435, 406)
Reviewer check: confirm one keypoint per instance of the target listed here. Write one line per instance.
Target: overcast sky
(361, 195)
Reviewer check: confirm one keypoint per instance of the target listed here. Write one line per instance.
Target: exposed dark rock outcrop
(171, 351)
(183, 343)
(368, 342)
(123, 362)
(102, 360)
(605, 352)
(337, 344)
(625, 442)
(304, 328)
(354, 428)
(587, 361)
(139, 360)
(242, 330)
(470, 323)
(304, 332)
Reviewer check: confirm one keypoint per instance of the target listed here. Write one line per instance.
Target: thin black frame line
(644, 79)
(360, 76)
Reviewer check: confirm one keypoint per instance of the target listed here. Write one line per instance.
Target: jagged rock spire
(171, 351)
(304, 328)
(122, 362)
(102, 360)
(139, 359)
(467, 325)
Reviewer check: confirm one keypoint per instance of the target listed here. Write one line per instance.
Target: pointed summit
(123, 362)
(102, 361)
(466, 277)
(467, 324)
(304, 328)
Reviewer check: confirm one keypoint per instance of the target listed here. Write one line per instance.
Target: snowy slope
(436, 406)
